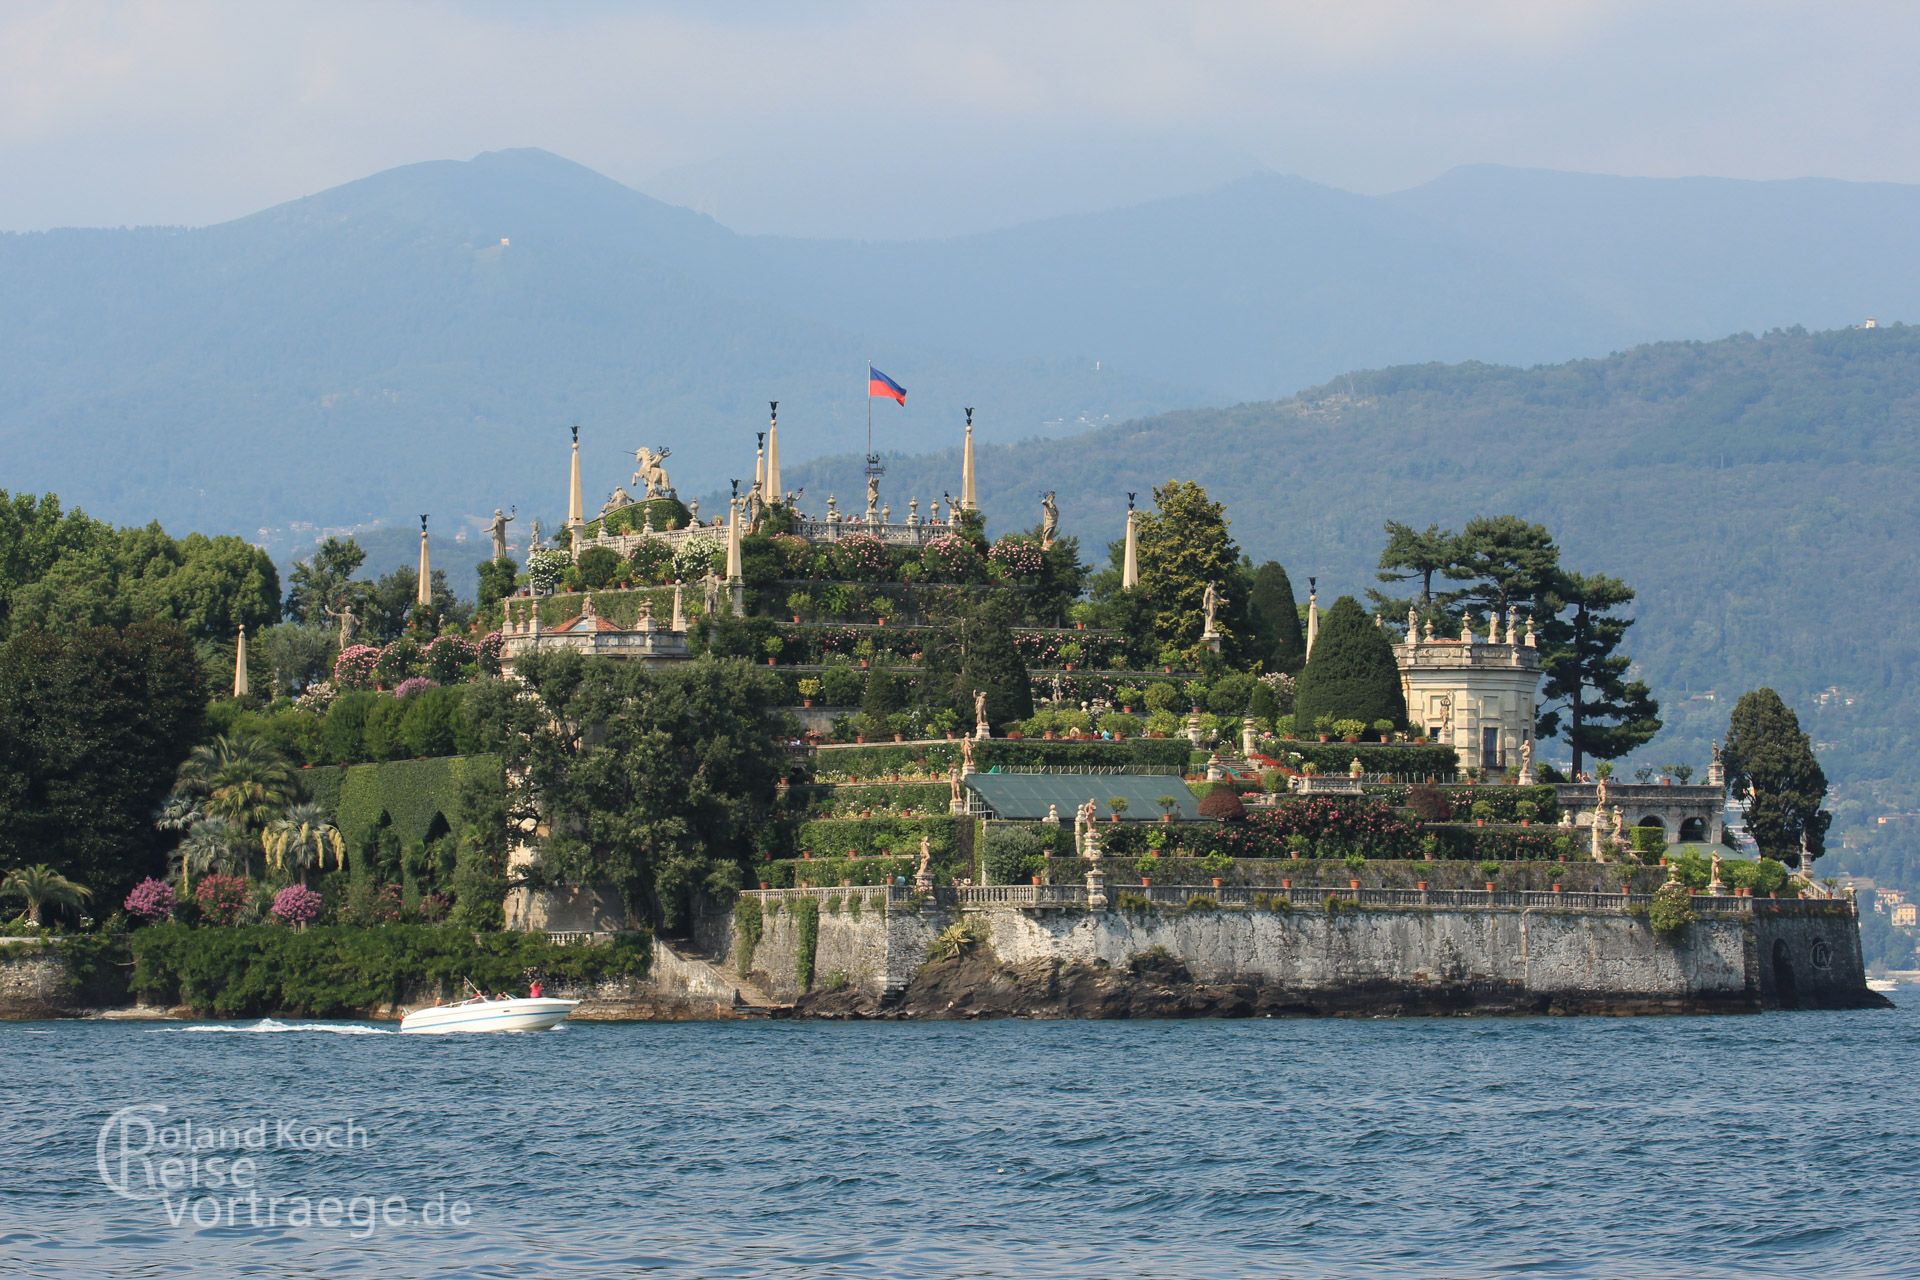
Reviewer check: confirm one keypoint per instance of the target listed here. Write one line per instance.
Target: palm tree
(241, 778)
(42, 887)
(301, 838)
(211, 846)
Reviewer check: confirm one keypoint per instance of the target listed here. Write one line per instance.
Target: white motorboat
(1882, 985)
(522, 1013)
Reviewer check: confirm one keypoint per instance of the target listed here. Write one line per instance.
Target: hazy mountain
(1756, 491)
(418, 340)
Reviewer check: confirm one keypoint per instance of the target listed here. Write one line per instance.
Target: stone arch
(1693, 830)
(1785, 991)
(1653, 820)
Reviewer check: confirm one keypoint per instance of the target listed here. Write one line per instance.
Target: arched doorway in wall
(1693, 830)
(1785, 991)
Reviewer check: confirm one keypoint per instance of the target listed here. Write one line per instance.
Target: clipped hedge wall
(924, 798)
(1402, 759)
(1499, 798)
(1501, 843)
(950, 838)
(878, 760)
(337, 970)
(409, 792)
(824, 873)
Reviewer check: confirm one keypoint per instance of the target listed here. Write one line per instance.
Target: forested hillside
(1757, 492)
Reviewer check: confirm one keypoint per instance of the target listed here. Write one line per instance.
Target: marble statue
(980, 727)
(344, 615)
(953, 788)
(873, 495)
(923, 876)
(710, 593)
(619, 498)
(650, 471)
(533, 537)
(1211, 603)
(1413, 625)
(1049, 519)
(499, 531)
(1526, 759)
(966, 755)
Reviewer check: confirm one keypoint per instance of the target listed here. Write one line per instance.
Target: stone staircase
(683, 971)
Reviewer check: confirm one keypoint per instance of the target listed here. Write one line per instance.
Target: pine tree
(1605, 715)
(1417, 554)
(1508, 561)
(1772, 770)
(1275, 617)
(1352, 674)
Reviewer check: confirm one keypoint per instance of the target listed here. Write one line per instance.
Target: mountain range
(419, 340)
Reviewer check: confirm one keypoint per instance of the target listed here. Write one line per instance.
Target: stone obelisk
(1130, 562)
(423, 590)
(576, 514)
(240, 687)
(773, 490)
(968, 502)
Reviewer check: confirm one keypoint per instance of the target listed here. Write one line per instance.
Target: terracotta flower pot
(1146, 882)
(765, 885)
(806, 702)
(1421, 885)
(1126, 711)
(1556, 886)
(1489, 886)
(1285, 883)
(1353, 884)
(1218, 881)
(1036, 880)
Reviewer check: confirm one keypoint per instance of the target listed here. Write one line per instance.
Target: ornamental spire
(968, 502)
(240, 689)
(773, 490)
(423, 590)
(575, 507)
(1130, 561)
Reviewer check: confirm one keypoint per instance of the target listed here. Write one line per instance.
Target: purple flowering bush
(412, 685)
(296, 904)
(150, 900)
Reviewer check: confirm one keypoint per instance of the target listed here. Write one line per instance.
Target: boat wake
(274, 1025)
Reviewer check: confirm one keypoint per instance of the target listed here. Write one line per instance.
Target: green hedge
(825, 873)
(1500, 799)
(1402, 759)
(879, 760)
(1500, 843)
(410, 792)
(886, 798)
(336, 971)
(950, 838)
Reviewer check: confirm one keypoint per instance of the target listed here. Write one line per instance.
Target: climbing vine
(748, 924)
(806, 926)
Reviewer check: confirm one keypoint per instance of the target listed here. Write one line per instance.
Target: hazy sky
(898, 119)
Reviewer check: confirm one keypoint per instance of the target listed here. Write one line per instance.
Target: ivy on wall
(411, 793)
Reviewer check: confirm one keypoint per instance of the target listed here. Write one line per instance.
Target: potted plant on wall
(1167, 805)
(1482, 810)
(1525, 811)
(809, 690)
(1217, 864)
(1116, 806)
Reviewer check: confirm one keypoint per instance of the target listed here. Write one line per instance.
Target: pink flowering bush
(397, 661)
(1332, 826)
(1017, 556)
(296, 904)
(861, 557)
(222, 898)
(150, 900)
(449, 659)
(487, 653)
(412, 685)
(353, 669)
(947, 557)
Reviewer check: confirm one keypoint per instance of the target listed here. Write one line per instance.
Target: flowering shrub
(316, 697)
(1330, 825)
(947, 557)
(397, 661)
(433, 908)
(1017, 556)
(412, 685)
(150, 900)
(699, 556)
(296, 904)
(487, 652)
(545, 569)
(353, 669)
(222, 898)
(862, 558)
(448, 659)
(652, 563)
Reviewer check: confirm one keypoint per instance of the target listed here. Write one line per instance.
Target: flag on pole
(879, 384)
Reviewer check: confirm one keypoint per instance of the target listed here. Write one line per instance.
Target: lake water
(1778, 1145)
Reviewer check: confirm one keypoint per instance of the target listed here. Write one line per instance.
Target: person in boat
(533, 989)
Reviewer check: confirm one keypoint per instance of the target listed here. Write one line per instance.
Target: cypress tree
(1276, 619)
(977, 652)
(883, 699)
(1352, 674)
(1772, 770)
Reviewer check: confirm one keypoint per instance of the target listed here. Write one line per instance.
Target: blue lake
(1777, 1145)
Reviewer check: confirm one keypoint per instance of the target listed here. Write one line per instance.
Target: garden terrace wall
(853, 800)
(950, 839)
(1413, 761)
(923, 759)
(1572, 877)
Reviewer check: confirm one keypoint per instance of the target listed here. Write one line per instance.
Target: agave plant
(302, 838)
(42, 887)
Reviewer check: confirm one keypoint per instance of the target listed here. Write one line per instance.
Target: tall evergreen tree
(1184, 547)
(977, 652)
(1507, 562)
(1417, 555)
(1586, 691)
(1772, 771)
(1352, 674)
(1275, 619)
